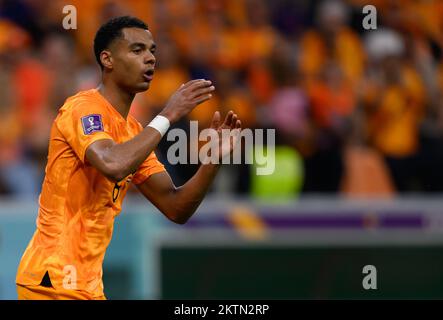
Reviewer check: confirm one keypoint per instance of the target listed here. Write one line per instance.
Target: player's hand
(228, 134)
(186, 98)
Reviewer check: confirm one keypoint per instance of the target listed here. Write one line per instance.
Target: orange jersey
(77, 205)
(44, 293)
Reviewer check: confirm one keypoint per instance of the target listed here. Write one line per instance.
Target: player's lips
(149, 75)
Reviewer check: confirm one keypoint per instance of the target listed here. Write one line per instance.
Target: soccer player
(95, 150)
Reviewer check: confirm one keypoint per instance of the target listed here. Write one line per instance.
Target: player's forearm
(120, 160)
(188, 197)
(116, 161)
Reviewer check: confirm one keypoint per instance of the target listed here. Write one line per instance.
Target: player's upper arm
(97, 154)
(87, 129)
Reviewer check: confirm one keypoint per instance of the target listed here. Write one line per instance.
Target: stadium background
(359, 132)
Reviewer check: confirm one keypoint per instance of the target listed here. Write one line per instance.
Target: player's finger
(233, 121)
(238, 124)
(201, 91)
(215, 120)
(202, 99)
(191, 82)
(228, 119)
(199, 84)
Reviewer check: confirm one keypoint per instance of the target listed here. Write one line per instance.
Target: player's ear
(106, 59)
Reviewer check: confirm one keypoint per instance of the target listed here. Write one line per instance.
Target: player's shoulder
(88, 98)
(81, 105)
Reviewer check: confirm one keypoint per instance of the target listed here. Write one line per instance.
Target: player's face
(134, 60)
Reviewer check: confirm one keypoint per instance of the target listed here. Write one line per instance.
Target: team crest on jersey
(92, 123)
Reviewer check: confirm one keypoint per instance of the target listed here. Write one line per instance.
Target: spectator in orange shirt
(332, 39)
(332, 104)
(396, 106)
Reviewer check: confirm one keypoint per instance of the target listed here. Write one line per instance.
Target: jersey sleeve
(83, 124)
(150, 166)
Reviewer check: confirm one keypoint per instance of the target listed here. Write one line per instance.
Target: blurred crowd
(362, 109)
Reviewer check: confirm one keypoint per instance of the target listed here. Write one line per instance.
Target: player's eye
(137, 51)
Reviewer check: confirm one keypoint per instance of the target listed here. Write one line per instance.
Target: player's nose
(149, 58)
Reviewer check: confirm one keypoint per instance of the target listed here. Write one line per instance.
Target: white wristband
(161, 124)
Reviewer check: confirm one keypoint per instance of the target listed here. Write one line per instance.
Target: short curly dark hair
(112, 30)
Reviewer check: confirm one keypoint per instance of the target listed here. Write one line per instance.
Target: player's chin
(142, 86)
